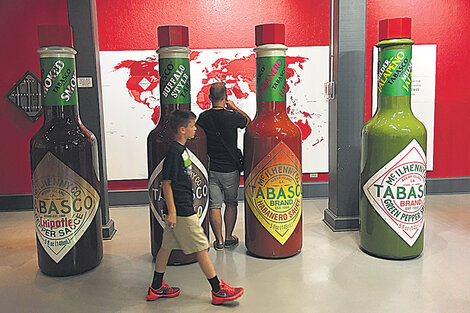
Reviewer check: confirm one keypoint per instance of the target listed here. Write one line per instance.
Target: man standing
(221, 125)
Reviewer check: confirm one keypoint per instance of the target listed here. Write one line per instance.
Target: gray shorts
(223, 187)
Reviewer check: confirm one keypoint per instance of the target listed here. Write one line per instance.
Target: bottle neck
(167, 109)
(174, 79)
(272, 108)
(271, 87)
(58, 76)
(394, 75)
(68, 114)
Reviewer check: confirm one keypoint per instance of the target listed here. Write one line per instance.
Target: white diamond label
(64, 206)
(397, 192)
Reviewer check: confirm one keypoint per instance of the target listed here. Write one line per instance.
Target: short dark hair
(218, 91)
(181, 118)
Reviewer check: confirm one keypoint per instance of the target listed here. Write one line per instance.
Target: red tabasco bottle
(393, 161)
(174, 95)
(64, 166)
(273, 172)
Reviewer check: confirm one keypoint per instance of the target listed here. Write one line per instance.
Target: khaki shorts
(187, 235)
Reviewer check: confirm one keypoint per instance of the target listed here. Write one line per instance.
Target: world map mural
(130, 83)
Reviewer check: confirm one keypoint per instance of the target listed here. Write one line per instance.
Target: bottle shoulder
(161, 132)
(63, 134)
(269, 123)
(394, 124)
(273, 129)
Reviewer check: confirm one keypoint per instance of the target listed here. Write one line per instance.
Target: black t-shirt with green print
(177, 167)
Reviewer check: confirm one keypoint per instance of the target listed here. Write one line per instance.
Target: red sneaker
(226, 293)
(163, 292)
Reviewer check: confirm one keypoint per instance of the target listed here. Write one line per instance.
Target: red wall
(447, 24)
(212, 24)
(18, 30)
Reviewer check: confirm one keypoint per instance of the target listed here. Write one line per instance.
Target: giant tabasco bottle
(273, 172)
(393, 163)
(64, 166)
(174, 95)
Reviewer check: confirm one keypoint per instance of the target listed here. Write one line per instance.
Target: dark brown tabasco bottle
(273, 172)
(173, 52)
(64, 166)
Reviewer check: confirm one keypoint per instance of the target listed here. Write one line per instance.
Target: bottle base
(389, 257)
(250, 253)
(64, 273)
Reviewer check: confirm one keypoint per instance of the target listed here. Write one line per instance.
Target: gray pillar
(346, 112)
(82, 18)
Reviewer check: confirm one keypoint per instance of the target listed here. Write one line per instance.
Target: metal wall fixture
(27, 95)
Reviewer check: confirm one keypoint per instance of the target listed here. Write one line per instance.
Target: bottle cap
(55, 35)
(173, 35)
(395, 28)
(270, 33)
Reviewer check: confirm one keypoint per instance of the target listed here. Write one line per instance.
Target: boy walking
(182, 229)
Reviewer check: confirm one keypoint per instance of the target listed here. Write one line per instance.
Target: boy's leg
(221, 292)
(160, 266)
(206, 264)
(158, 289)
(161, 260)
(208, 269)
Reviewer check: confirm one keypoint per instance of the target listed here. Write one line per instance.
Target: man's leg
(230, 217)
(215, 217)
(231, 185)
(215, 205)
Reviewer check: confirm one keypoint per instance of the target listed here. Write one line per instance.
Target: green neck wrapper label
(174, 81)
(394, 77)
(271, 78)
(59, 80)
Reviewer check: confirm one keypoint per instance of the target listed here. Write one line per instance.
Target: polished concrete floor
(331, 274)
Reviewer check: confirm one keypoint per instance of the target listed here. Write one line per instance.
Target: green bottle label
(174, 81)
(59, 80)
(397, 192)
(394, 76)
(271, 78)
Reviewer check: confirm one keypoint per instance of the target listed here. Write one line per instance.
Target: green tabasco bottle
(393, 163)
(174, 95)
(64, 166)
(273, 153)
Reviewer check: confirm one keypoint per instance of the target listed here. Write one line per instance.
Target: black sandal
(230, 243)
(218, 246)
